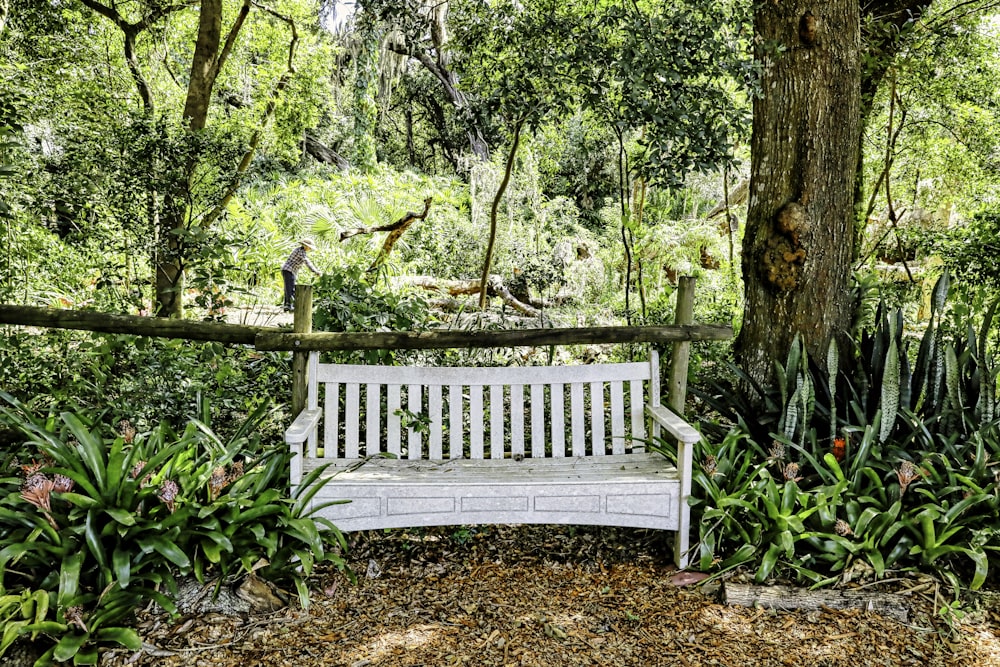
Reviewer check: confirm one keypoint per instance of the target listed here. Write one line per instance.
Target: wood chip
(539, 596)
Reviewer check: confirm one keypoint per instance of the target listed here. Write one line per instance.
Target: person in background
(290, 269)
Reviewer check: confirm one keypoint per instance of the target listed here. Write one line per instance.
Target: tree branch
(279, 87)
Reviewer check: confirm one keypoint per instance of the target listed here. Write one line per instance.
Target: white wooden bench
(437, 446)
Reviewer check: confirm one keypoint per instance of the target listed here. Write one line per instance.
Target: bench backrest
(442, 413)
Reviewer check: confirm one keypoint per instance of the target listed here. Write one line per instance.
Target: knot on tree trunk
(784, 256)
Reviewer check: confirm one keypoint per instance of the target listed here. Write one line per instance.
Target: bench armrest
(303, 426)
(673, 424)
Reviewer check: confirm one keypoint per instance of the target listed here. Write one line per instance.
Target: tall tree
(173, 218)
(419, 30)
(817, 79)
(653, 72)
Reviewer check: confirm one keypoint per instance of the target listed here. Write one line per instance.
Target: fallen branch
(395, 230)
(787, 598)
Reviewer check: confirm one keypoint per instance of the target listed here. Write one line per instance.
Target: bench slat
(638, 416)
(598, 443)
(517, 420)
(414, 399)
(537, 421)
(556, 414)
(625, 468)
(392, 419)
(483, 376)
(455, 421)
(578, 422)
(434, 403)
(476, 422)
(617, 418)
(352, 416)
(331, 420)
(496, 421)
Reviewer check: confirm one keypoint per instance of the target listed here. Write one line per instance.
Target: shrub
(95, 522)
(881, 462)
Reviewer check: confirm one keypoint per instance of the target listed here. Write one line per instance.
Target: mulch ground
(548, 597)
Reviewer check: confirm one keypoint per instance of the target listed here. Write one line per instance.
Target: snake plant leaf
(951, 377)
(792, 414)
(940, 293)
(832, 368)
(890, 392)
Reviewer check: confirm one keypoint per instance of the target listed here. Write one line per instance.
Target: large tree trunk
(806, 125)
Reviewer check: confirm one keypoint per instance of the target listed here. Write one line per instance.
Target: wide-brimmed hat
(308, 243)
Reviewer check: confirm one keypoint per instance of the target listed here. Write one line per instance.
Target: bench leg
(682, 539)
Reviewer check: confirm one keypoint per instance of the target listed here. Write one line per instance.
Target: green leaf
(79, 500)
(890, 391)
(767, 563)
(257, 512)
(127, 637)
(165, 548)
(877, 563)
(90, 448)
(831, 462)
(123, 517)
(93, 539)
(85, 657)
(69, 645)
(121, 563)
(45, 627)
(69, 577)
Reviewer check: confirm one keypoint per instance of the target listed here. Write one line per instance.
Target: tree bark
(324, 153)
(797, 248)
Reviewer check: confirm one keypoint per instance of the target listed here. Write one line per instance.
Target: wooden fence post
(684, 314)
(301, 323)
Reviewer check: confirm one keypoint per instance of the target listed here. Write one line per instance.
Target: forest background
(160, 158)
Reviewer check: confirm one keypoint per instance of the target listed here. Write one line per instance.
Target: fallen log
(454, 288)
(786, 598)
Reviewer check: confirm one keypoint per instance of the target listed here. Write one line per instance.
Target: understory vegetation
(99, 518)
(884, 464)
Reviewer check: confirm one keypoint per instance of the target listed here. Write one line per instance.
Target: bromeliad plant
(95, 522)
(885, 460)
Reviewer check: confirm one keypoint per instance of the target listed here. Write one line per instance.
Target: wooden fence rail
(157, 327)
(301, 340)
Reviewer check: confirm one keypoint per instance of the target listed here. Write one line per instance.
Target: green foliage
(862, 469)
(349, 300)
(95, 522)
(969, 250)
(365, 90)
(525, 61)
(148, 380)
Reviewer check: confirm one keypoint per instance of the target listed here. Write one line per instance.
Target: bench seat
(634, 490)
